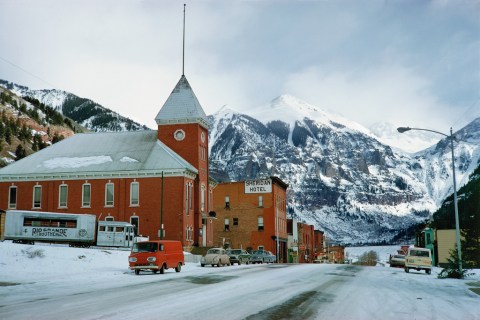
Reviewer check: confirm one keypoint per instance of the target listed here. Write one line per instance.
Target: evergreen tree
(20, 152)
(469, 219)
(8, 135)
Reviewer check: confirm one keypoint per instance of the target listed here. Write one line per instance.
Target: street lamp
(457, 226)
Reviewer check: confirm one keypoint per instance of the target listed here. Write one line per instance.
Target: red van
(156, 256)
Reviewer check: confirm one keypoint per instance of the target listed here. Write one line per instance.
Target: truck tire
(162, 269)
(407, 269)
(179, 267)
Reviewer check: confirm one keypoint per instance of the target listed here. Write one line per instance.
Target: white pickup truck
(418, 259)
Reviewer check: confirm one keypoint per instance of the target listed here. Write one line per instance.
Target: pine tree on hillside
(20, 153)
(469, 219)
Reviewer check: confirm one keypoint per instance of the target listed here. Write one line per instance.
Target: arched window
(202, 198)
(109, 190)
(37, 196)
(62, 195)
(86, 195)
(134, 194)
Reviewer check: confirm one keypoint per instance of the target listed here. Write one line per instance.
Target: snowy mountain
(436, 162)
(86, 112)
(341, 177)
(412, 142)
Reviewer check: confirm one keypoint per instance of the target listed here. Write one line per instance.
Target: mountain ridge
(343, 179)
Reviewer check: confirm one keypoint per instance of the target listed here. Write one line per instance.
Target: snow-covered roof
(113, 154)
(182, 106)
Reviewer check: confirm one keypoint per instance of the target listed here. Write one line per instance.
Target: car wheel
(407, 270)
(137, 271)
(179, 267)
(154, 271)
(239, 262)
(202, 265)
(213, 265)
(162, 269)
(428, 271)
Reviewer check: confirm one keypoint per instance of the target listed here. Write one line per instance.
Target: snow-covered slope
(341, 178)
(86, 112)
(412, 142)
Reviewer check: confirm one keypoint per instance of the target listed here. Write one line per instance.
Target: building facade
(306, 243)
(252, 215)
(156, 180)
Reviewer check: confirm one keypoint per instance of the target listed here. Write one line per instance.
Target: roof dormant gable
(182, 106)
(93, 155)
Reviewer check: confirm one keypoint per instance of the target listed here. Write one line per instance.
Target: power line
(468, 109)
(29, 73)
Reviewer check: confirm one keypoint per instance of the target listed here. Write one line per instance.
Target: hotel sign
(258, 186)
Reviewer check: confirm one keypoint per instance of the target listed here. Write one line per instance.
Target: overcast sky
(413, 63)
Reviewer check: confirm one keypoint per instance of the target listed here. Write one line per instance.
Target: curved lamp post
(457, 227)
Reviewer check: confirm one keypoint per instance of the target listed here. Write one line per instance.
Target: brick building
(306, 243)
(251, 214)
(157, 180)
(318, 242)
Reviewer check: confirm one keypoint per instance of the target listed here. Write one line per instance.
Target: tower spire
(183, 57)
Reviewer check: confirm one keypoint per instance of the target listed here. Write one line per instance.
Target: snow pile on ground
(96, 283)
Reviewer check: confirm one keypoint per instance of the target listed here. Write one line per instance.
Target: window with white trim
(109, 218)
(109, 189)
(260, 223)
(86, 195)
(134, 193)
(260, 201)
(12, 197)
(227, 202)
(190, 197)
(227, 224)
(202, 198)
(187, 201)
(37, 196)
(62, 195)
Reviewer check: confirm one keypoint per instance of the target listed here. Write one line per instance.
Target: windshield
(235, 251)
(259, 252)
(145, 247)
(419, 253)
(213, 251)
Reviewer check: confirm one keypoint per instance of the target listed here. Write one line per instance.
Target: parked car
(156, 256)
(215, 256)
(262, 256)
(397, 260)
(418, 259)
(239, 256)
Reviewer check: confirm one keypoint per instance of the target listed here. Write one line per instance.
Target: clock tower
(183, 127)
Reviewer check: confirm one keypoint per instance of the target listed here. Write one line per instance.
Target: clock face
(179, 135)
(202, 136)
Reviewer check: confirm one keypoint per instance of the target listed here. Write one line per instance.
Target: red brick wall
(306, 242)
(245, 207)
(175, 218)
(195, 151)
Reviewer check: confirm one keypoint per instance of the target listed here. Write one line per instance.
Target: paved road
(262, 292)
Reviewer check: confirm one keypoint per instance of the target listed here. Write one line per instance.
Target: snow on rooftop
(128, 159)
(74, 162)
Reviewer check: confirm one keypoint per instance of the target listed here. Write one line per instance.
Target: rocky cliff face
(341, 178)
